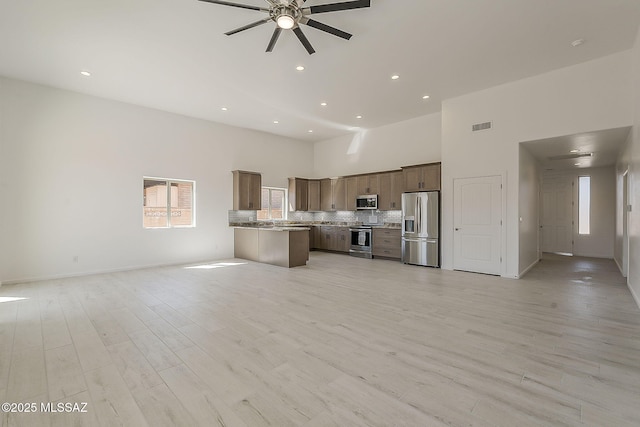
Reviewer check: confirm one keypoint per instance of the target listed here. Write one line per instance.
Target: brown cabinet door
(351, 185)
(431, 177)
(255, 198)
(412, 178)
(343, 239)
(384, 191)
(339, 195)
(397, 187)
(313, 198)
(298, 194)
(326, 195)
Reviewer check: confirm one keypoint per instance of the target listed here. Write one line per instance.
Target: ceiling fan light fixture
(285, 21)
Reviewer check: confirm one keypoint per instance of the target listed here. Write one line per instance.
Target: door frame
(503, 227)
(625, 224)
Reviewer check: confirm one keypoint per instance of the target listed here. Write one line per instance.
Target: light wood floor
(341, 342)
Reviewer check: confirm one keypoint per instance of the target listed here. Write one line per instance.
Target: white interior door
(477, 218)
(557, 215)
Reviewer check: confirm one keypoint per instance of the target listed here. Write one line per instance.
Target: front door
(477, 218)
(557, 215)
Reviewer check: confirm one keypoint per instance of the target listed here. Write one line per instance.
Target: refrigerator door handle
(406, 239)
(419, 215)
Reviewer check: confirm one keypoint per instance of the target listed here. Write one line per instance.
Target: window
(168, 203)
(584, 205)
(273, 204)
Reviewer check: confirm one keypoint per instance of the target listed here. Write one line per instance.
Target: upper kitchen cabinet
(298, 194)
(247, 191)
(304, 194)
(314, 195)
(351, 190)
(391, 185)
(368, 184)
(333, 194)
(422, 177)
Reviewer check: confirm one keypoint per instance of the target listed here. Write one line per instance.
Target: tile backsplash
(365, 217)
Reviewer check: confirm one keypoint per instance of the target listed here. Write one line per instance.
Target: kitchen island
(282, 246)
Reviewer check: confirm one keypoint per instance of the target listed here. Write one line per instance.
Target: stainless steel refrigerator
(421, 228)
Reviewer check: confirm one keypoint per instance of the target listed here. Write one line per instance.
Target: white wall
(71, 169)
(529, 211)
(410, 142)
(630, 160)
(586, 97)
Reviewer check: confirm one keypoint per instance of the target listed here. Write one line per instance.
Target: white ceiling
(172, 55)
(605, 146)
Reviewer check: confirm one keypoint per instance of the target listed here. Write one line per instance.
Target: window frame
(285, 203)
(168, 183)
(582, 215)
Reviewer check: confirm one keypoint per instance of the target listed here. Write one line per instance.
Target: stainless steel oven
(361, 242)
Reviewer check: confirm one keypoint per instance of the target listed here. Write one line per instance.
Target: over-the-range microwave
(367, 202)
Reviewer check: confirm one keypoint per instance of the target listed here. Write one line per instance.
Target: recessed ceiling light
(577, 164)
(426, 97)
(324, 104)
(275, 122)
(224, 108)
(577, 43)
(310, 131)
(85, 73)
(300, 68)
(395, 77)
(358, 117)
(574, 151)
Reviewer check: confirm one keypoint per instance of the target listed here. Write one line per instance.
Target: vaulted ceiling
(173, 55)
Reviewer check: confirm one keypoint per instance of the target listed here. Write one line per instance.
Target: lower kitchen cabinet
(331, 238)
(343, 239)
(387, 243)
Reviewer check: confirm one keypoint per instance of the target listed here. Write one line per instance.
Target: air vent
(481, 126)
(571, 156)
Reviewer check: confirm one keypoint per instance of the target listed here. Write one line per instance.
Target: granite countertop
(285, 225)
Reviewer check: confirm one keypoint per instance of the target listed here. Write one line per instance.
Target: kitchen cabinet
(387, 243)
(422, 177)
(326, 238)
(298, 194)
(331, 238)
(351, 189)
(333, 194)
(390, 187)
(343, 239)
(368, 184)
(313, 195)
(247, 191)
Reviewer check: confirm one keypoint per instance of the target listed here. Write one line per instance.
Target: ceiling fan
(289, 14)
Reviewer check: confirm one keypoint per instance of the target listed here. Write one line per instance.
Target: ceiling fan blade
(274, 39)
(327, 29)
(304, 41)
(246, 27)
(335, 7)
(242, 6)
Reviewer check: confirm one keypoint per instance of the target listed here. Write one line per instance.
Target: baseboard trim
(633, 294)
(108, 271)
(526, 270)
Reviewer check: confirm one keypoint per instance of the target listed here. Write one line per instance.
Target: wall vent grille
(481, 126)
